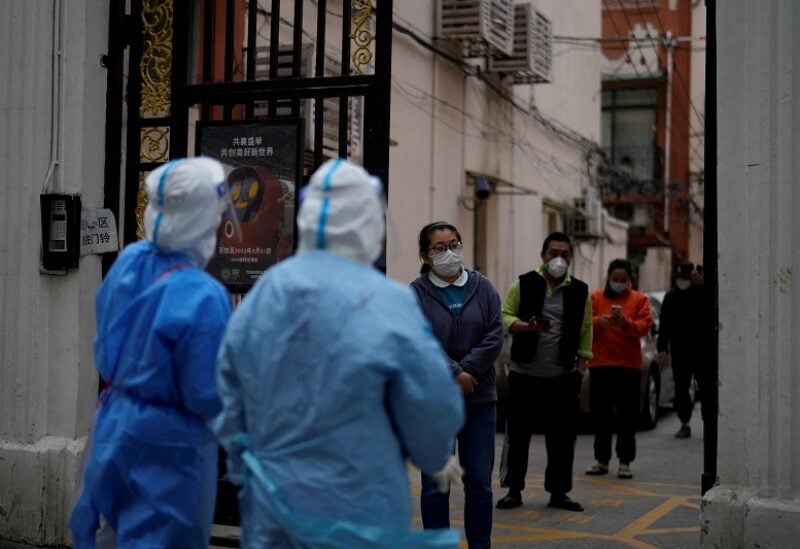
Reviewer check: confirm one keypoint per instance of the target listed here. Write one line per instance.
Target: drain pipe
(53, 169)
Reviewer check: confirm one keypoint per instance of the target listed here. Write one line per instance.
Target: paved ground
(659, 508)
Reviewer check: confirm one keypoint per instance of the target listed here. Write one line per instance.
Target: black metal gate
(173, 63)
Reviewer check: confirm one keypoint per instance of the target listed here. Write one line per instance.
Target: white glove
(451, 472)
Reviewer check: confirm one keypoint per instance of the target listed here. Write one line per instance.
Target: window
(629, 132)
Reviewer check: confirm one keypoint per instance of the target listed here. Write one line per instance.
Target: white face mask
(618, 287)
(557, 267)
(682, 283)
(447, 263)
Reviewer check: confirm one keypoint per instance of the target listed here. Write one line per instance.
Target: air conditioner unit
(587, 219)
(477, 23)
(330, 106)
(531, 61)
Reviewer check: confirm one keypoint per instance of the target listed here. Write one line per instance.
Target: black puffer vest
(532, 289)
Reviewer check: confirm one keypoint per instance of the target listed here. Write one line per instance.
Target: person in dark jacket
(679, 335)
(549, 316)
(464, 310)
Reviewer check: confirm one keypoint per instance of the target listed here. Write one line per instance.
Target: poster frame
(266, 127)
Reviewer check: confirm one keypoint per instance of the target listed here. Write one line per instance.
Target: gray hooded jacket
(474, 338)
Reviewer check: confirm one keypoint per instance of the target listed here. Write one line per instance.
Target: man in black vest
(549, 315)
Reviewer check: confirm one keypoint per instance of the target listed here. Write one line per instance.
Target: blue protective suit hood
(343, 212)
(185, 202)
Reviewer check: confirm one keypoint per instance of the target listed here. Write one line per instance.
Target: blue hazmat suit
(330, 379)
(151, 469)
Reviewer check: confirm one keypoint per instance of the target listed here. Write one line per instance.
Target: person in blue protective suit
(331, 378)
(151, 471)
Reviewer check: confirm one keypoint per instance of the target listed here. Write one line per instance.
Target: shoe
(510, 500)
(624, 471)
(562, 501)
(597, 469)
(684, 432)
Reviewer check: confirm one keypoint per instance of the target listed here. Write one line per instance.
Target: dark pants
(552, 403)
(683, 368)
(476, 455)
(614, 387)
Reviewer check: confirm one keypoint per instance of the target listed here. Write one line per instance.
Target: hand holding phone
(617, 316)
(544, 323)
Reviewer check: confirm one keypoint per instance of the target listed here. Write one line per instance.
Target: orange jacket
(614, 345)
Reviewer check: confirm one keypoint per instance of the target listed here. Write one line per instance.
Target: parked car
(657, 388)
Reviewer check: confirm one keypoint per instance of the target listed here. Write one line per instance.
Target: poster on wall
(263, 166)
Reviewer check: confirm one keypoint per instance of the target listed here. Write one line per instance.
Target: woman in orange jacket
(620, 317)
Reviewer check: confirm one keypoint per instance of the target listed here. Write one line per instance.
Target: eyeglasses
(442, 248)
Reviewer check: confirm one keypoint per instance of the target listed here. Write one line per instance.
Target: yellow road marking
(640, 525)
(532, 515)
(676, 530)
(667, 485)
(627, 536)
(607, 502)
(551, 534)
(572, 517)
(628, 488)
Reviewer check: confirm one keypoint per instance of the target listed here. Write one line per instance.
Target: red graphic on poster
(262, 161)
(260, 202)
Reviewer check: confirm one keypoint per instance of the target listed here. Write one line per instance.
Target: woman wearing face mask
(620, 317)
(464, 310)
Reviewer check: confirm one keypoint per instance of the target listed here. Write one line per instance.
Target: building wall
(757, 500)
(54, 87)
(594, 258)
(654, 273)
(446, 124)
(642, 63)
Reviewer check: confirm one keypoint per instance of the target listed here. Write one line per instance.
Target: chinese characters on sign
(246, 147)
(262, 165)
(98, 231)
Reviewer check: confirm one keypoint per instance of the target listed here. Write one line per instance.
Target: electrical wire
(535, 157)
(475, 72)
(679, 76)
(484, 126)
(662, 28)
(654, 44)
(472, 71)
(627, 52)
(636, 42)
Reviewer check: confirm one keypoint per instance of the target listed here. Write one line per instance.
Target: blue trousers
(476, 454)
